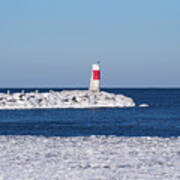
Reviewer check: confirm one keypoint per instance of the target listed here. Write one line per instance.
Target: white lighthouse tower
(95, 78)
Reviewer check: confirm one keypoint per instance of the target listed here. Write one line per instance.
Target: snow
(93, 157)
(64, 99)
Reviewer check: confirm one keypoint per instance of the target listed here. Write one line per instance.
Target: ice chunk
(144, 105)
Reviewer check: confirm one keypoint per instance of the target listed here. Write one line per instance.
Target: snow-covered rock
(64, 99)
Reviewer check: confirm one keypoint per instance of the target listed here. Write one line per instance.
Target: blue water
(161, 119)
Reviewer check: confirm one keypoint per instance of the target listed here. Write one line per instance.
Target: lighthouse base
(95, 86)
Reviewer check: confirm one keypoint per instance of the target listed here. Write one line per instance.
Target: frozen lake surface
(93, 157)
(96, 143)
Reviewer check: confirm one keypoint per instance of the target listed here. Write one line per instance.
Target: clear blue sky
(54, 42)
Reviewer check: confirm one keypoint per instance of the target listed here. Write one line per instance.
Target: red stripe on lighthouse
(96, 75)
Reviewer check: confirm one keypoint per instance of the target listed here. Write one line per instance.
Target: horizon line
(83, 87)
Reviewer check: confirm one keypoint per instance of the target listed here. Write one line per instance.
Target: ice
(144, 105)
(93, 157)
(64, 99)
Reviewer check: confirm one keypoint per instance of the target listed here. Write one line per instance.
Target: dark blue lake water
(162, 118)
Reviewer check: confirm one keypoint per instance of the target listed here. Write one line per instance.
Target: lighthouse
(95, 78)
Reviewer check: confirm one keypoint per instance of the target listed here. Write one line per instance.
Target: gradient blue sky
(54, 42)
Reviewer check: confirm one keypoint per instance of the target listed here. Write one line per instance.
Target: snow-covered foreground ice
(94, 157)
(64, 99)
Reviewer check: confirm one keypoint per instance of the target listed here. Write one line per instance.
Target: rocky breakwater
(64, 99)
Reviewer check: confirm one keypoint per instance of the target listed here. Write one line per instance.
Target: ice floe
(64, 99)
(144, 105)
